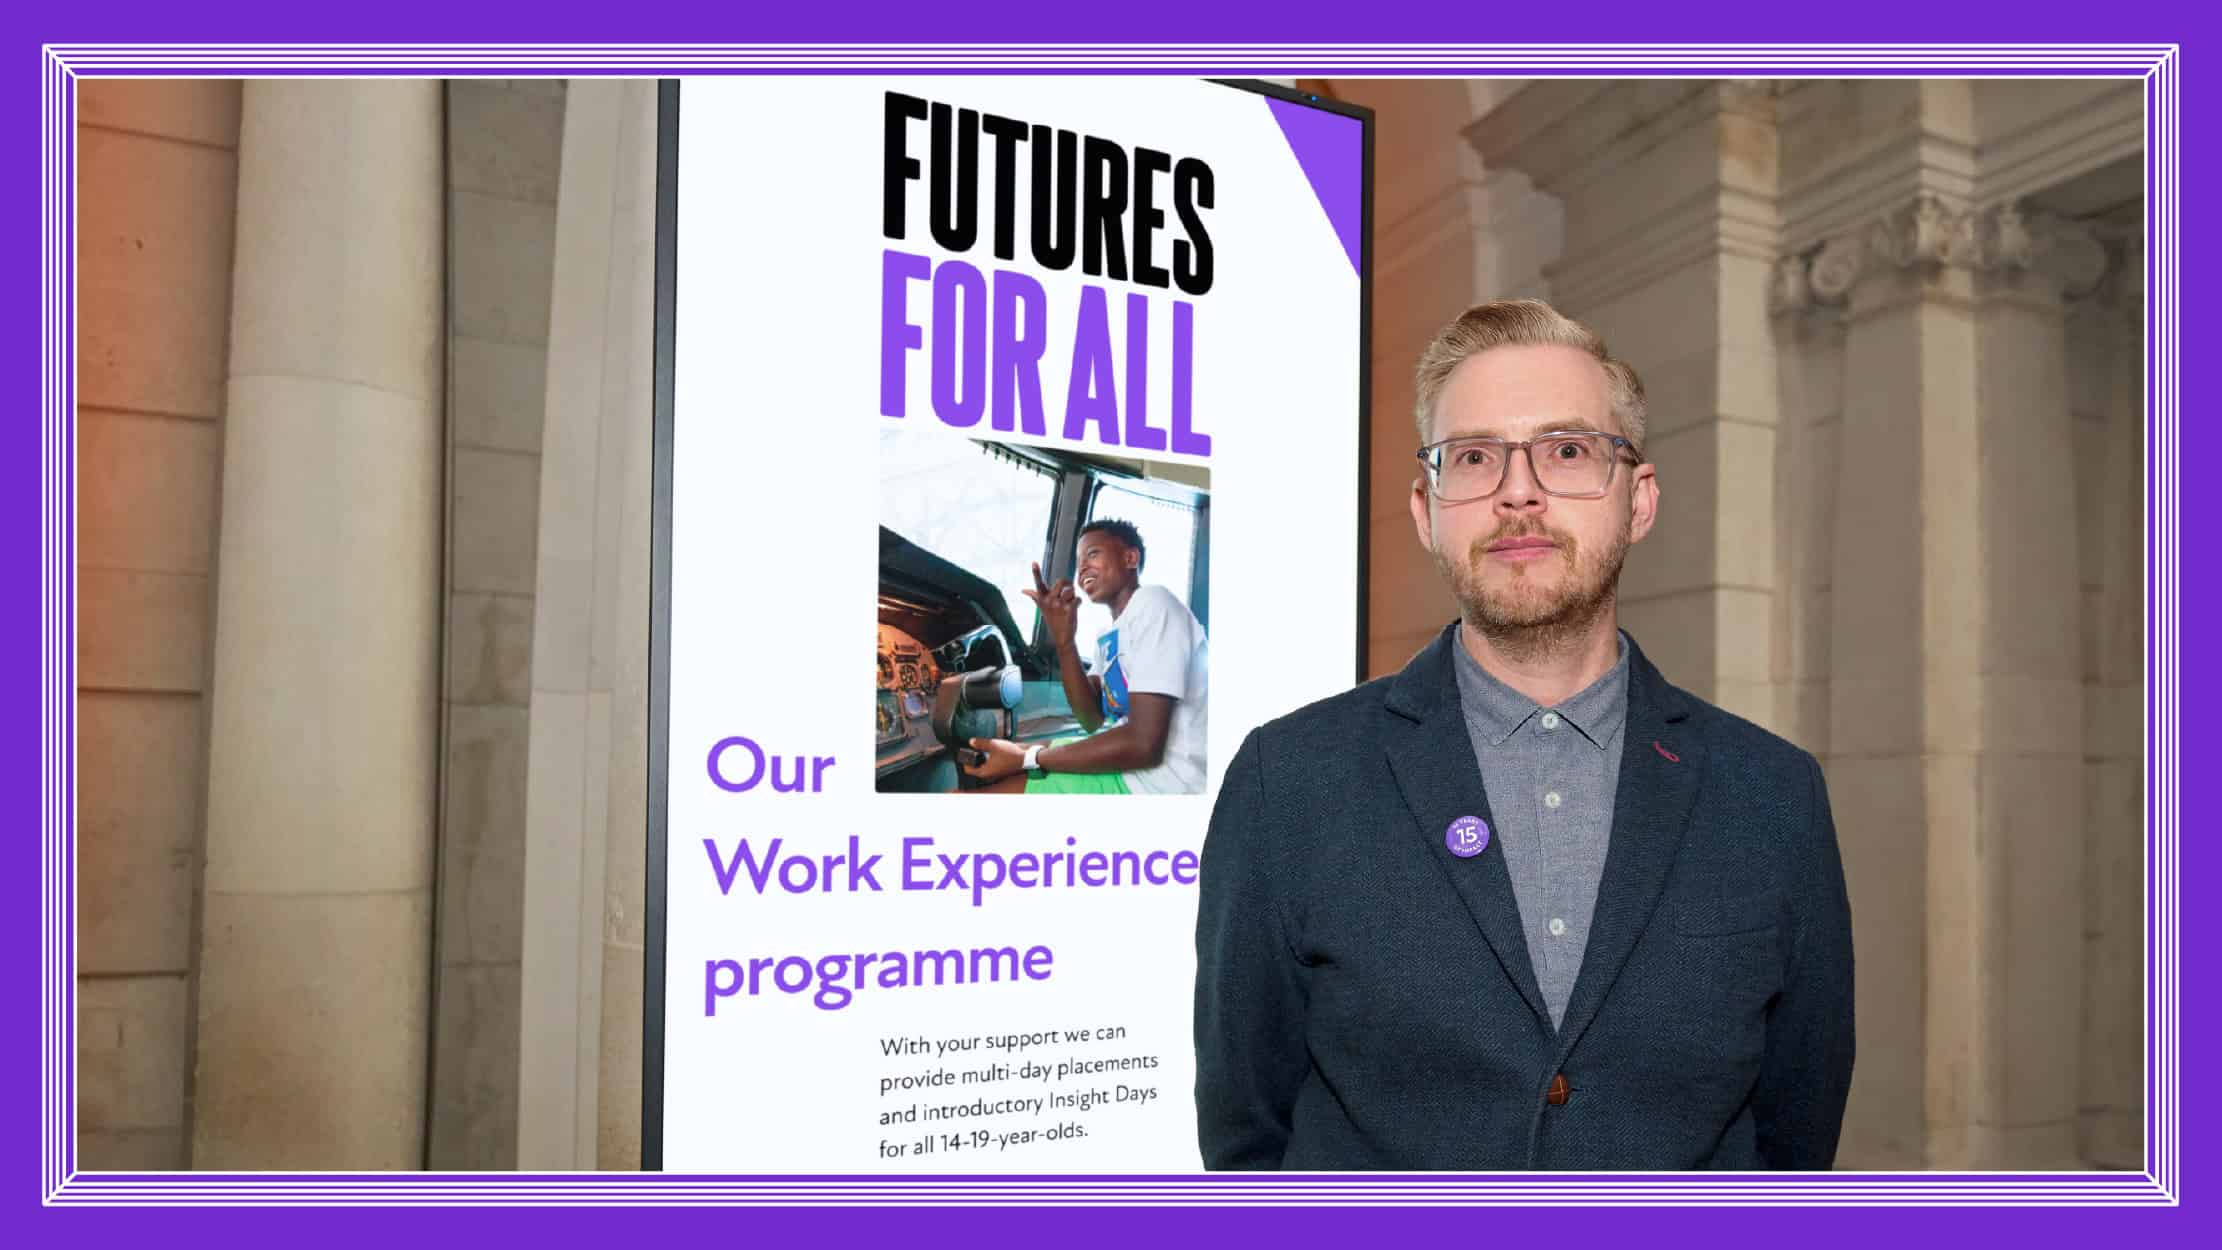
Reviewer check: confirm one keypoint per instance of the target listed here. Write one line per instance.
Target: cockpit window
(977, 506)
(1166, 517)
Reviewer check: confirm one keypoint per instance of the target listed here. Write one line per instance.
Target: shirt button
(1558, 927)
(1550, 720)
(1551, 800)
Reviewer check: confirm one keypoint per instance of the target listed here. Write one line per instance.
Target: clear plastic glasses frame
(1558, 482)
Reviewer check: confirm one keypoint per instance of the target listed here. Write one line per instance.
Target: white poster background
(774, 578)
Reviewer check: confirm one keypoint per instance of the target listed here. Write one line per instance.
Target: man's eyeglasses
(1572, 464)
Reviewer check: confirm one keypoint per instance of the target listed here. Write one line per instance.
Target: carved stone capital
(2120, 288)
(2072, 255)
(1837, 267)
(1790, 288)
(1923, 233)
(1929, 235)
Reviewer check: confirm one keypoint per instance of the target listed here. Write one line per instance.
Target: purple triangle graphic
(1328, 147)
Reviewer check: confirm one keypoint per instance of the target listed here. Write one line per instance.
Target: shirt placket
(1547, 850)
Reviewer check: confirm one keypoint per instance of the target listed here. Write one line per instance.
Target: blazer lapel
(1661, 765)
(1433, 761)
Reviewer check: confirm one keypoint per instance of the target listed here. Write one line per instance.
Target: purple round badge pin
(1466, 837)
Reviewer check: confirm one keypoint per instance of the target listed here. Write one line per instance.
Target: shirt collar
(1597, 712)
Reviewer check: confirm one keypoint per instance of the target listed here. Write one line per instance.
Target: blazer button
(1556, 1095)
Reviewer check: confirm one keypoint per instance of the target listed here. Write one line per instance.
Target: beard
(1527, 615)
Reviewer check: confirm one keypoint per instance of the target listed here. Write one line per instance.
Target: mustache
(1519, 529)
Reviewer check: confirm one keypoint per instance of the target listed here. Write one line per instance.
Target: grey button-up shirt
(1550, 774)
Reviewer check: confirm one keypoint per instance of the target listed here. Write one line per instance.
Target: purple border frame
(2166, 1104)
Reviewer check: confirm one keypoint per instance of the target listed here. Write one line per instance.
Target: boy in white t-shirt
(1141, 697)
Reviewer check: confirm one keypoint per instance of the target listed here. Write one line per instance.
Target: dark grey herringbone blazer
(1364, 999)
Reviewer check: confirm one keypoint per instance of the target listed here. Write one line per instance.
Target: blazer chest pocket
(1728, 916)
(1720, 963)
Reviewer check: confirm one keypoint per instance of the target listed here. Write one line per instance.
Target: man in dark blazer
(1524, 904)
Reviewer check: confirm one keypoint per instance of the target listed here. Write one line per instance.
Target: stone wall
(157, 180)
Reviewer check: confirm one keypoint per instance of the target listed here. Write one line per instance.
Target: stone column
(2030, 858)
(586, 798)
(1954, 698)
(2106, 380)
(505, 142)
(1810, 359)
(316, 932)
(1902, 605)
(1668, 190)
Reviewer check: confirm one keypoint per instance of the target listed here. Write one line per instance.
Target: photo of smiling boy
(1141, 696)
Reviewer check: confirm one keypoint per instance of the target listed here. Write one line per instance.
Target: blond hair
(1522, 323)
